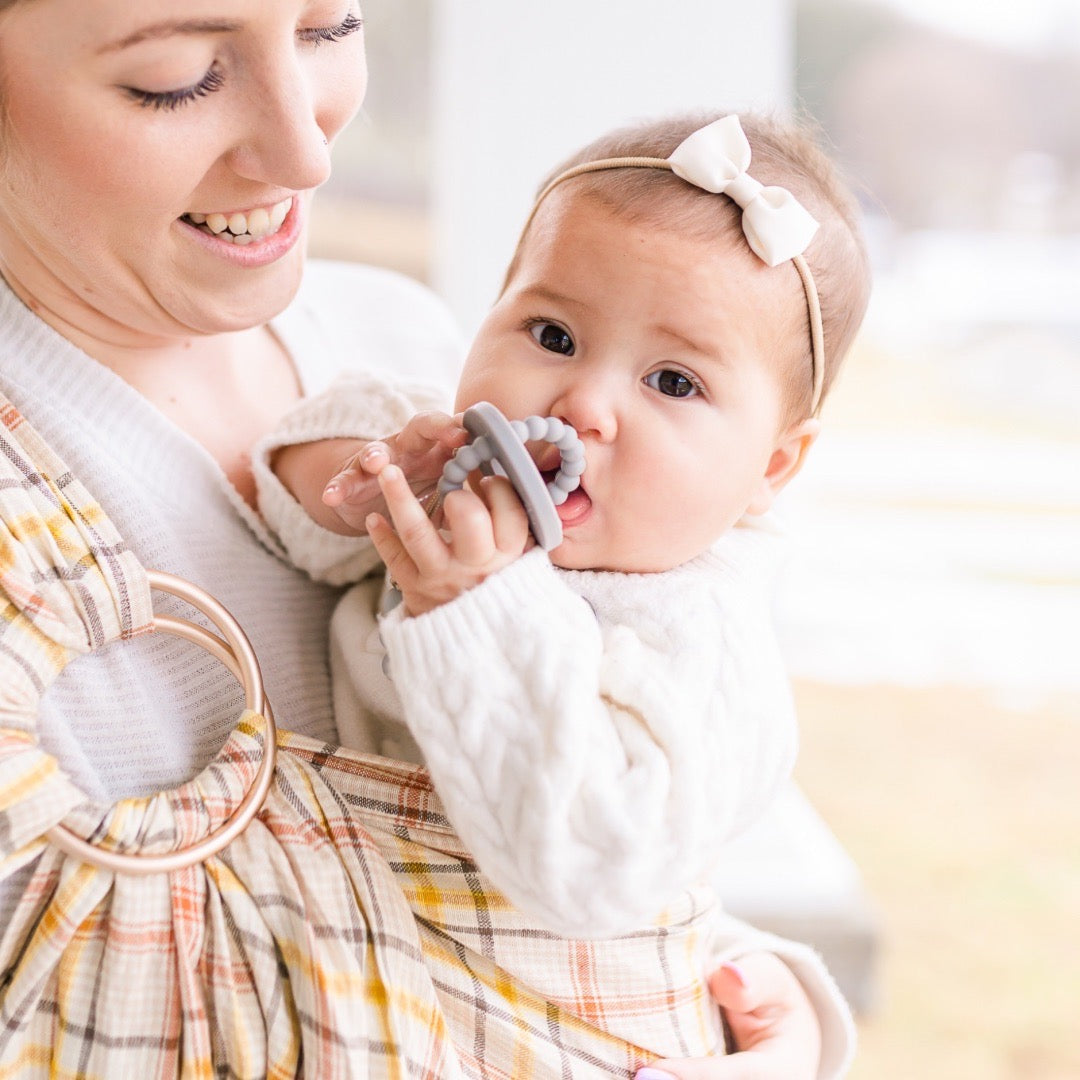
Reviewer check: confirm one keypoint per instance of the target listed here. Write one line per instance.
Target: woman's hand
(772, 1023)
(483, 530)
(420, 450)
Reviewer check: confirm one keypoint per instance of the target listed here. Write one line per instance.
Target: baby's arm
(594, 766)
(311, 446)
(335, 480)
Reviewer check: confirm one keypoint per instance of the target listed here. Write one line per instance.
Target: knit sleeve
(593, 767)
(356, 406)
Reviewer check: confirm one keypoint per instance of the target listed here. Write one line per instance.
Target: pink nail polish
(737, 972)
(649, 1073)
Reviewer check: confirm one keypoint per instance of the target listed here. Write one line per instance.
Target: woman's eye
(672, 383)
(173, 99)
(552, 337)
(316, 35)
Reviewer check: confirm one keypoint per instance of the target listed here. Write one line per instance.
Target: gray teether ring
(499, 446)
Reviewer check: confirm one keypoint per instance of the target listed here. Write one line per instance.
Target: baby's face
(659, 350)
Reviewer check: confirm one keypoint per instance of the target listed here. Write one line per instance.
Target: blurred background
(931, 609)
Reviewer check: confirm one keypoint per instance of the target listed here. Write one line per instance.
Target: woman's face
(136, 139)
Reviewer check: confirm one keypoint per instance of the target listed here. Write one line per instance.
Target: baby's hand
(488, 529)
(420, 449)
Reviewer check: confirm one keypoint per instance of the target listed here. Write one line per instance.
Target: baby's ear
(786, 461)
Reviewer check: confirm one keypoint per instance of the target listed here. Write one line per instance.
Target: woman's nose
(291, 119)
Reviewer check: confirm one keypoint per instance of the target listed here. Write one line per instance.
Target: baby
(600, 718)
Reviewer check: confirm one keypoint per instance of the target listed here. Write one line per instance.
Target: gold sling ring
(234, 650)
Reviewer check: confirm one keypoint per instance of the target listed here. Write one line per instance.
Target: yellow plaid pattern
(344, 934)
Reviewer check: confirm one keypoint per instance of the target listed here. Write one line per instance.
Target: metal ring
(236, 653)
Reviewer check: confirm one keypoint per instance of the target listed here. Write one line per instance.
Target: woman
(157, 171)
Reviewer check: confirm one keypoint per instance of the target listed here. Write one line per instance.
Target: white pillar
(518, 85)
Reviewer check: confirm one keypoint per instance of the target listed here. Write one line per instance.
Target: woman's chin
(223, 311)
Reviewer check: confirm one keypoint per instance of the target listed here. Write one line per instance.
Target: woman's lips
(261, 250)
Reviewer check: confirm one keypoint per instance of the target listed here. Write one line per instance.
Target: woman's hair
(782, 153)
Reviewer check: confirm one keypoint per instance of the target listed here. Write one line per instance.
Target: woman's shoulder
(348, 316)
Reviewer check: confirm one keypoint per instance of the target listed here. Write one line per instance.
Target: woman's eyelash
(318, 34)
(214, 79)
(173, 99)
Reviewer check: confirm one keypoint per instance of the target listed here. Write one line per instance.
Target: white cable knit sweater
(566, 789)
(594, 736)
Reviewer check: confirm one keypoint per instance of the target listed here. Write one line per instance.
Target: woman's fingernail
(649, 1073)
(737, 973)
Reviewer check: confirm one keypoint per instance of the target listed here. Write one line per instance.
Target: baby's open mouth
(547, 458)
(241, 228)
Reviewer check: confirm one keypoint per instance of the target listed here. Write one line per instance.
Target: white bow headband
(776, 226)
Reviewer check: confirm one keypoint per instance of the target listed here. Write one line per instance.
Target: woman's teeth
(243, 228)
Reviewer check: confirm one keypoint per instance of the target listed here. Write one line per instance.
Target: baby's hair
(783, 153)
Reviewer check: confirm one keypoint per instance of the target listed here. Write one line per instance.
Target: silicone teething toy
(498, 446)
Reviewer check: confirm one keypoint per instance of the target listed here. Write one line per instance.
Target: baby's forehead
(573, 229)
(576, 205)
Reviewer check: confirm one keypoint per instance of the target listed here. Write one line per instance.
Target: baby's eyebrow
(544, 294)
(169, 28)
(702, 348)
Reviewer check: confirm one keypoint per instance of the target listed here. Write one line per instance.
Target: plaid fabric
(345, 933)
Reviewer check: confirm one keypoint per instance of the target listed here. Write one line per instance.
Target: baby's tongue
(575, 507)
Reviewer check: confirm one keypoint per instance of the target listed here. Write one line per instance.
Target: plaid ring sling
(344, 932)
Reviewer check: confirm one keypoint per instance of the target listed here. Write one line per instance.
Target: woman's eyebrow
(168, 28)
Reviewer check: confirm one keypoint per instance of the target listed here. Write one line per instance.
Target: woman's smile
(248, 239)
(240, 227)
(184, 149)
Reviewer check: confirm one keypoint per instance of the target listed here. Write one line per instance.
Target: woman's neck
(225, 390)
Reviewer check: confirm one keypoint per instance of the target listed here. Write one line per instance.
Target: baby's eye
(672, 383)
(552, 337)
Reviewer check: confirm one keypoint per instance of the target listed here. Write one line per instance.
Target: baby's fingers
(509, 520)
(472, 537)
(429, 429)
(390, 549)
(353, 481)
(417, 535)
